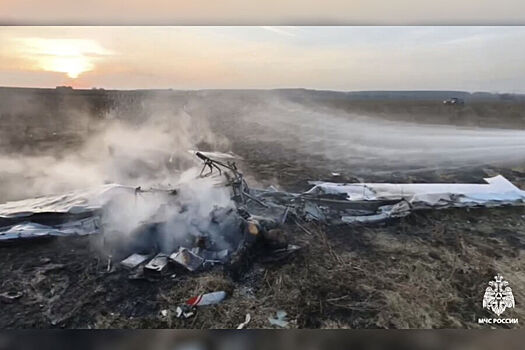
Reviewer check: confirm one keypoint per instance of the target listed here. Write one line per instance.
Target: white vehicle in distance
(454, 101)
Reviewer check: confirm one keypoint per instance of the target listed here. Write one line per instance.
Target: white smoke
(148, 152)
(198, 207)
(147, 149)
(356, 140)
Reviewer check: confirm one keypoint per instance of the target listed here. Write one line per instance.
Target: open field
(428, 270)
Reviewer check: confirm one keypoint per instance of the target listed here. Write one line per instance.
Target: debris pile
(151, 229)
(168, 235)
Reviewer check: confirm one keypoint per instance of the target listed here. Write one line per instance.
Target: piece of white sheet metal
(75, 202)
(20, 223)
(134, 260)
(385, 212)
(26, 230)
(497, 191)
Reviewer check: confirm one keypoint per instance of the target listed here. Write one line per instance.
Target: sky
(236, 57)
(267, 12)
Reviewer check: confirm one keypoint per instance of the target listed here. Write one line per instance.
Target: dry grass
(428, 270)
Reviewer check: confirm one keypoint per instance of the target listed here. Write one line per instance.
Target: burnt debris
(220, 221)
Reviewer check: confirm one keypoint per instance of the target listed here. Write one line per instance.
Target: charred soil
(428, 270)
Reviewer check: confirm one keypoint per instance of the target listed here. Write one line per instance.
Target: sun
(72, 66)
(70, 56)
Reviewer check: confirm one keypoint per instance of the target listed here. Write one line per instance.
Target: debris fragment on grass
(245, 323)
(9, 297)
(184, 311)
(134, 260)
(279, 320)
(187, 258)
(157, 265)
(207, 299)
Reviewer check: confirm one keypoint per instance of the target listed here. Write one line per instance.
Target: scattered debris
(313, 212)
(184, 311)
(78, 213)
(70, 214)
(207, 299)
(285, 216)
(253, 227)
(187, 258)
(245, 323)
(137, 274)
(275, 238)
(9, 297)
(164, 313)
(212, 256)
(384, 213)
(227, 235)
(280, 254)
(134, 260)
(157, 265)
(108, 269)
(279, 320)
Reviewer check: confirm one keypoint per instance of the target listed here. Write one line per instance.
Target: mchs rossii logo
(497, 298)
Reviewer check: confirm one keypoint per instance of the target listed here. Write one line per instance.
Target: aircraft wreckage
(194, 237)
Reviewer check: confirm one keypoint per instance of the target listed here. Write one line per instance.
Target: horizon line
(95, 88)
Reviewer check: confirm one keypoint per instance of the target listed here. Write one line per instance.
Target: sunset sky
(267, 12)
(336, 58)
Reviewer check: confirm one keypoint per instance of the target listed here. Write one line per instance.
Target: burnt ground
(428, 270)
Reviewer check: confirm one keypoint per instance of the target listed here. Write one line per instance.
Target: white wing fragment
(497, 191)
